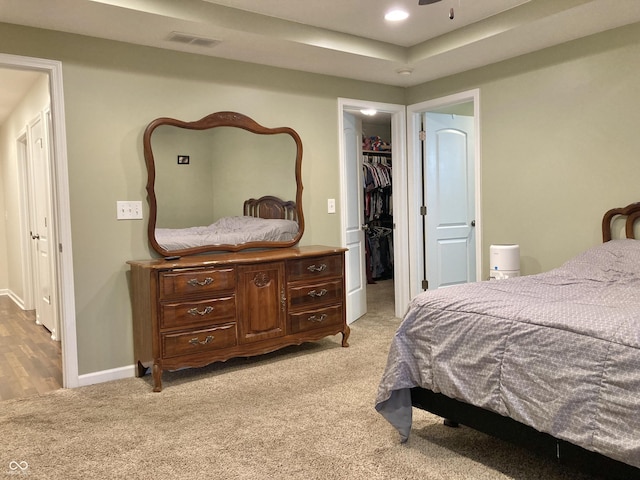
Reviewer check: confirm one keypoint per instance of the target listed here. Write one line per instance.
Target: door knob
(473, 223)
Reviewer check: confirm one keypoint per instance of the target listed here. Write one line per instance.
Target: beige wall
(560, 143)
(4, 265)
(559, 146)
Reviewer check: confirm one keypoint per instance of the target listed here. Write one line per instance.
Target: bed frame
(631, 212)
(455, 412)
(271, 207)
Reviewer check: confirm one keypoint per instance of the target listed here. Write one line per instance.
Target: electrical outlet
(331, 205)
(129, 210)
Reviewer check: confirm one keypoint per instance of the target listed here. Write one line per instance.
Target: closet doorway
(18, 244)
(373, 203)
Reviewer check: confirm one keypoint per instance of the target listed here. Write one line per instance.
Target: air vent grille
(189, 39)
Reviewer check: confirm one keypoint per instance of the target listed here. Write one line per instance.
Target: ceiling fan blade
(427, 2)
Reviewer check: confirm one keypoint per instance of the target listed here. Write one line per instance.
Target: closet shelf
(377, 152)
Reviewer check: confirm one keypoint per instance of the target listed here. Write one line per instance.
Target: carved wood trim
(223, 119)
(631, 211)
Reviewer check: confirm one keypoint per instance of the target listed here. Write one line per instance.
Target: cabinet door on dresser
(261, 302)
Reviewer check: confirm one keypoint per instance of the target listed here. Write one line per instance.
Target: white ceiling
(345, 38)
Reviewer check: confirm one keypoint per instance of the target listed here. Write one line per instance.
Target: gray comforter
(558, 351)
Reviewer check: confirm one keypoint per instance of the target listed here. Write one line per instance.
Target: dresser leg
(345, 336)
(157, 378)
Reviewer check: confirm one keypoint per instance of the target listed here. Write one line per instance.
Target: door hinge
(422, 135)
(423, 210)
(60, 247)
(425, 284)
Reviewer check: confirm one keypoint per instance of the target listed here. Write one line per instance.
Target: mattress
(228, 231)
(558, 351)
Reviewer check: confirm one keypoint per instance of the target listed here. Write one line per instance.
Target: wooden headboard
(270, 207)
(632, 212)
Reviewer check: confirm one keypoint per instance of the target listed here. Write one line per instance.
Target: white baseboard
(16, 299)
(106, 375)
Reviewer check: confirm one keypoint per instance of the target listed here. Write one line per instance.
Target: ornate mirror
(222, 183)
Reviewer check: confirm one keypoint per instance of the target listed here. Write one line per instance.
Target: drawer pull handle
(320, 268)
(319, 293)
(195, 283)
(194, 311)
(196, 341)
(319, 319)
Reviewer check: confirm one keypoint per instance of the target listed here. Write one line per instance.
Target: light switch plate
(331, 205)
(129, 210)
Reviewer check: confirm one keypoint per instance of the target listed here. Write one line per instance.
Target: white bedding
(228, 231)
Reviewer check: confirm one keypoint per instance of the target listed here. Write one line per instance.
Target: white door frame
(414, 149)
(27, 302)
(61, 222)
(399, 186)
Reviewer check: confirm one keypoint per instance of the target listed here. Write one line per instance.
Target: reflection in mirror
(226, 167)
(202, 173)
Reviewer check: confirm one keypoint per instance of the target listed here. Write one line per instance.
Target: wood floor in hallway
(30, 362)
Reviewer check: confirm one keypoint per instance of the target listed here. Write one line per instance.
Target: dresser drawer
(319, 318)
(197, 341)
(315, 267)
(315, 294)
(203, 312)
(196, 281)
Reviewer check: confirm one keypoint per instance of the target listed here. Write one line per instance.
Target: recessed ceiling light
(396, 15)
(370, 112)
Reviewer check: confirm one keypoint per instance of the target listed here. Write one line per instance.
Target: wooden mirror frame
(218, 119)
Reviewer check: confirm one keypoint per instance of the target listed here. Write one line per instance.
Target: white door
(355, 268)
(41, 224)
(450, 199)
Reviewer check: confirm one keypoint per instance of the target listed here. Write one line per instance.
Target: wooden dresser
(201, 309)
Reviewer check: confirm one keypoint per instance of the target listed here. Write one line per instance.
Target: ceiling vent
(189, 39)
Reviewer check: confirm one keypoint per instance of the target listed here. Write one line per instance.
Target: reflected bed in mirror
(264, 222)
(223, 182)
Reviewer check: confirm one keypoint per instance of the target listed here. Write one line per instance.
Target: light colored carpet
(302, 413)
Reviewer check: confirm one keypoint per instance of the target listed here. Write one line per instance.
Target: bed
(550, 361)
(267, 218)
